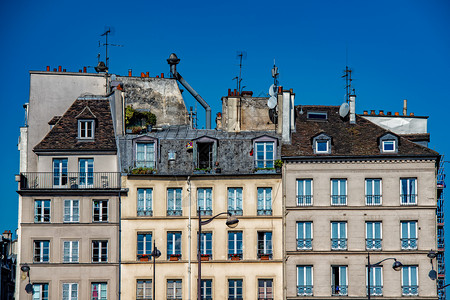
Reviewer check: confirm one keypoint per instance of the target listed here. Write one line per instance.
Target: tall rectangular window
(264, 201)
(174, 289)
(85, 129)
(409, 235)
(206, 289)
(71, 253)
(206, 244)
(144, 203)
(41, 211)
(264, 154)
(174, 202)
(265, 289)
(144, 244)
(86, 169)
(339, 286)
(264, 245)
(71, 211)
(304, 280)
(338, 235)
(173, 244)
(304, 235)
(373, 192)
(59, 172)
(99, 251)
(410, 281)
(338, 191)
(235, 201)
(304, 192)
(41, 251)
(145, 155)
(376, 281)
(408, 191)
(235, 289)
(373, 235)
(204, 201)
(144, 289)
(40, 291)
(99, 291)
(100, 211)
(70, 291)
(235, 244)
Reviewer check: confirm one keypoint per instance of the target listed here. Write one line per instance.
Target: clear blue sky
(397, 49)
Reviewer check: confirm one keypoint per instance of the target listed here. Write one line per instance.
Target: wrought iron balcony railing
(304, 200)
(304, 244)
(69, 180)
(409, 244)
(373, 244)
(339, 290)
(373, 200)
(376, 290)
(338, 200)
(410, 290)
(304, 290)
(338, 244)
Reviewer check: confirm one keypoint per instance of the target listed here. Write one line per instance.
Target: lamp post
(155, 253)
(397, 266)
(29, 287)
(231, 222)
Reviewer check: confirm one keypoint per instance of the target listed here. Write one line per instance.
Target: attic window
(86, 129)
(322, 144)
(388, 143)
(317, 116)
(388, 146)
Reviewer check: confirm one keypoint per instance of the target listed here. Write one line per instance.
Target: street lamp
(155, 253)
(397, 266)
(29, 287)
(231, 222)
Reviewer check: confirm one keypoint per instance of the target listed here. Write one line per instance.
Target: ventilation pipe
(352, 99)
(173, 61)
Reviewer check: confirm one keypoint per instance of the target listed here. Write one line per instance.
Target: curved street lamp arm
(210, 219)
(378, 263)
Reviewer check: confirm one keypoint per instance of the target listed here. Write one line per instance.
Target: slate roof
(360, 139)
(64, 134)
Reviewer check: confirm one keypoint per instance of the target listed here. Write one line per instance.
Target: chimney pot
(129, 72)
(396, 113)
(64, 70)
(84, 70)
(59, 69)
(389, 113)
(54, 69)
(79, 70)
(411, 114)
(147, 74)
(381, 112)
(229, 92)
(162, 75)
(280, 89)
(157, 76)
(365, 112)
(48, 68)
(142, 74)
(372, 112)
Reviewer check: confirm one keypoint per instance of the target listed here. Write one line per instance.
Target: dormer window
(322, 144)
(205, 153)
(265, 152)
(86, 129)
(388, 143)
(388, 146)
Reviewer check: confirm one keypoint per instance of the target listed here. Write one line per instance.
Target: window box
(264, 170)
(202, 171)
(143, 171)
(143, 257)
(175, 257)
(205, 257)
(235, 256)
(264, 256)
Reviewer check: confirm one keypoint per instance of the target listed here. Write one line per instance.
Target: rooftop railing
(69, 180)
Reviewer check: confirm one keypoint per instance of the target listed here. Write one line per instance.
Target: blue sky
(397, 49)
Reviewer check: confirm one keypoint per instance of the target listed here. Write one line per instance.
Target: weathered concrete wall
(400, 125)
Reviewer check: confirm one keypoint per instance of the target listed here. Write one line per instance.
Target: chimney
(352, 99)
(381, 113)
(229, 92)
(372, 112)
(84, 70)
(162, 75)
(59, 69)
(404, 107)
(389, 113)
(130, 72)
(365, 113)
(147, 74)
(48, 68)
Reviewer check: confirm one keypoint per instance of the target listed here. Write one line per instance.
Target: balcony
(376, 290)
(373, 200)
(410, 290)
(409, 244)
(339, 290)
(264, 212)
(304, 200)
(408, 199)
(373, 244)
(304, 290)
(304, 244)
(338, 244)
(69, 180)
(337, 200)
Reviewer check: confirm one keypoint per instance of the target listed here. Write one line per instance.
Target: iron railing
(408, 199)
(304, 244)
(376, 290)
(409, 244)
(373, 244)
(304, 290)
(339, 290)
(373, 200)
(69, 180)
(338, 200)
(410, 290)
(304, 200)
(338, 244)
(264, 212)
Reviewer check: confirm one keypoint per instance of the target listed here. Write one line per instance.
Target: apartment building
(354, 189)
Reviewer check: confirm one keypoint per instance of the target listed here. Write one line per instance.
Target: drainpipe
(120, 244)
(189, 239)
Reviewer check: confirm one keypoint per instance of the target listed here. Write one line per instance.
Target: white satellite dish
(272, 90)
(272, 102)
(344, 110)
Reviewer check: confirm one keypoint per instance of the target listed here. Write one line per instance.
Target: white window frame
(177, 284)
(234, 194)
(326, 142)
(101, 286)
(304, 233)
(145, 250)
(409, 278)
(147, 284)
(346, 276)
(304, 276)
(339, 191)
(373, 230)
(146, 211)
(40, 291)
(373, 188)
(202, 203)
(339, 234)
(71, 217)
(265, 287)
(265, 200)
(304, 185)
(416, 195)
(174, 207)
(70, 286)
(386, 142)
(40, 218)
(71, 247)
(235, 287)
(266, 163)
(146, 161)
(41, 251)
(372, 284)
(83, 133)
(100, 216)
(409, 237)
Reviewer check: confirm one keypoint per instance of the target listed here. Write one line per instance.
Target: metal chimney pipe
(173, 61)
(352, 99)
(405, 102)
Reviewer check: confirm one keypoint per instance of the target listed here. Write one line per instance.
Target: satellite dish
(272, 102)
(344, 109)
(272, 90)
(432, 274)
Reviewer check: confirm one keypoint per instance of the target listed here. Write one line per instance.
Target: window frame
(176, 244)
(321, 138)
(83, 132)
(176, 291)
(374, 238)
(41, 247)
(145, 243)
(304, 238)
(206, 239)
(339, 192)
(335, 292)
(177, 207)
(70, 290)
(146, 287)
(100, 209)
(43, 288)
(102, 287)
(264, 203)
(235, 250)
(147, 201)
(235, 288)
(408, 190)
(339, 239)
(60, 172)
(234, 202)
(41, 217)
(86, 177)
(305, 199)
(307, 288)
(267, 242)
(411, 241)
(102, 246)
(264, 288)
(386, 139)
(373, 195)
(410, 288)
(71, 250)
(206, 289)
(205, 203)
(266, 141)
(376, 290)
(70, 216)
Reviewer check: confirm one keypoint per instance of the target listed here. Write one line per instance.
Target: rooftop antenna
(241, 55)
(348, 82)
(108, 31)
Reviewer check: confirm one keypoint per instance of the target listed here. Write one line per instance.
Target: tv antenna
(348, 82)
(108, 31)
(241, 55)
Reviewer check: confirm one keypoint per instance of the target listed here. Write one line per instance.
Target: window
(235, 244)
(70, 291)
(304, 192)
(322, 144)
(206, 244)
(373, 191)
(206, 289)
(174, 289)
(235, 201)
(144, 289)
(264, 155)
(145, 155)
(205, 155)
(304, 280)
(99, 291)
(60, 172)
(338, 191)
(338, 235)
(70, 252)
(388, 143)
(304, 235)
(265, 290)
(235, 289)
(41, 211)
(40, 291)
(100, 211)
(41, 251)
(86, 169)
(144, 203)
(86, 129)
(204, 201)
(144, 244)
(408, 191)
(376, 281)
(265, 245)
(316, 115)
(373, 235)
(99, 251)
(409, 235)
(71, 211)
(173, 244)
(339, 281)
(174, 202)
(264, 201)
(409, 281)
(388, 146)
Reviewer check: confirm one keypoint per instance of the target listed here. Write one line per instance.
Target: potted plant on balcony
(175, 257)
(278, 164)
(235, 256)
(143, 257)
(205, 257)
